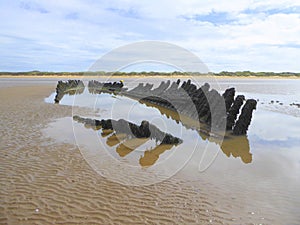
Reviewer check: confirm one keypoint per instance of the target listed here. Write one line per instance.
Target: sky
(71, 35)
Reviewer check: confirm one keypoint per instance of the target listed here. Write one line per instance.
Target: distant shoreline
(221, 75)
(147, 76)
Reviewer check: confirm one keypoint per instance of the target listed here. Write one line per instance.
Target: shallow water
(261, 169)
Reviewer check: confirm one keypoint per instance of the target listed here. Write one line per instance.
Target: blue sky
(71, 35)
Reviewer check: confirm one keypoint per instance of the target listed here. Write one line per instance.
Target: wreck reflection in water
(235, 146)
(127, 137)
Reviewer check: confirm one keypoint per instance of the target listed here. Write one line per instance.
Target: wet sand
(43, 181)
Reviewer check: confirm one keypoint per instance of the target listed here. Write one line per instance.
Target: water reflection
(125, 142)
(151, 156)
(237, 147)
(127, 137)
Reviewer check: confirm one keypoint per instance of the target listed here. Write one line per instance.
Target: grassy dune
(175, 73)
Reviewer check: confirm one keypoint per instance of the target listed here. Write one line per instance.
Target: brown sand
(44, 182)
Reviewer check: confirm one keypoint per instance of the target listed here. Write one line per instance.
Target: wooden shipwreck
(213, 110)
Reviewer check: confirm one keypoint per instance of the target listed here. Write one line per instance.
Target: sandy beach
(44, 181)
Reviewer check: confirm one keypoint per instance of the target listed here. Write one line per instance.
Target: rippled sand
(46, 182)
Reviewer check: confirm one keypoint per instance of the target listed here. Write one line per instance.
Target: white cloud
(70, 35)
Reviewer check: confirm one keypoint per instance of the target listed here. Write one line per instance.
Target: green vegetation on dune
(38, 73)
(175, 73)
(256, 74)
